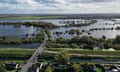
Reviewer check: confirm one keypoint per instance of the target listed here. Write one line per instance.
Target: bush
(2, 69)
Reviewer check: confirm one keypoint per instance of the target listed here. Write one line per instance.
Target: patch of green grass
(87, 52)
(12, 61)
(16, 51)
(29, 17)
(21, 18)
(56, 49)
(99, 69)
(114, 53)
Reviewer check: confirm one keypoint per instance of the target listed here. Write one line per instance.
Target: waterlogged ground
(11, 30)
(96, 33)
(17, 31)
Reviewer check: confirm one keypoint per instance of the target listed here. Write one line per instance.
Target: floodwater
(21, 31)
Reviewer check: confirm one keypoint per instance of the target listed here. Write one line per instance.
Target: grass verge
(86, 52)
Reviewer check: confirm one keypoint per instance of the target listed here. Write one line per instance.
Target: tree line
(85, 42)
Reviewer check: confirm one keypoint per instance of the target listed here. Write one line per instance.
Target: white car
(114, 70)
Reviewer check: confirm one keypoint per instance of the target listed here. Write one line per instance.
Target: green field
(16, 51)
(99, 70)
(21, 18)
(29, 17)
(86, 52)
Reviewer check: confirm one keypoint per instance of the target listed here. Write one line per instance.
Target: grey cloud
(9, 1)
(92, 1)
(56, 1)
(45, 1)
(77, 1)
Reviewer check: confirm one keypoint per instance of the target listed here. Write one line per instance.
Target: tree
(58, 33)
(72, 31)
(104, 37)
(78, 32)
(48, 69)
(76, 67)
(74, 45)
(61, 40)
(27, 35)
(86, 68)
(117, 39)
(65, 57)
(87, 40)
(3, 37)
(2, 69)
(33, 34)
(75, 39)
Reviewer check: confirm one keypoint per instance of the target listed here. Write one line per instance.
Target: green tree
(75, 39)
(72, 31)
(78, 32)
(85, 68)
(65, 57)
(76, 67)
(117, 39)
(27, 35)
(61, 40)
(48, 69)
(74, 45)
(87, 40)
(2, 69)
(104, 37)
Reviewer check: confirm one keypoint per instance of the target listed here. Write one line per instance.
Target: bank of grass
(21, 18)
(13, 61)
(99, 69)
(16, 51)
(86, 52)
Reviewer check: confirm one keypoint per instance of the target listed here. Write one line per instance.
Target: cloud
(75, 1)
(59, 6)
(92, 1)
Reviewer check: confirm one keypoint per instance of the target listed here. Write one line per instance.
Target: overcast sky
(59, 6)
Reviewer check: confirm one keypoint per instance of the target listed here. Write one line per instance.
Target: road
(32, 60)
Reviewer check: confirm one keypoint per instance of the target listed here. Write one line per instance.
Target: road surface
(32, 60)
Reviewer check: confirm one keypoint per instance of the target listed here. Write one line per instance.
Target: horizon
(60, 14)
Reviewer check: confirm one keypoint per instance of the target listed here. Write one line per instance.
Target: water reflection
(11, 30)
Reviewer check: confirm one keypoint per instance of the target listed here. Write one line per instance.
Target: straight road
(32, 60)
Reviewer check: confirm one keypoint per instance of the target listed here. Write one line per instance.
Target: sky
(59, 6)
